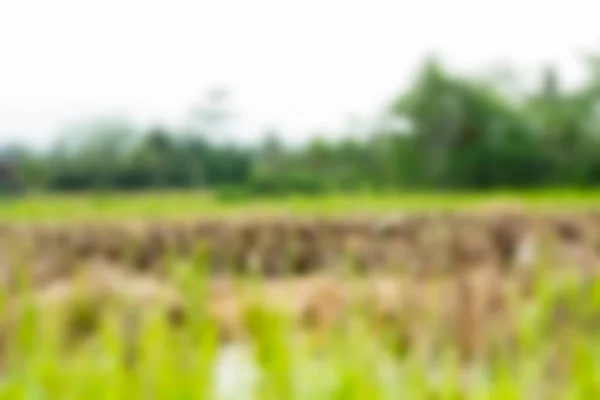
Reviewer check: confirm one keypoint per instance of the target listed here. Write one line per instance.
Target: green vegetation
(445, 132)
(351, 363)
(557, 351)
(35, 207)
(465, 143)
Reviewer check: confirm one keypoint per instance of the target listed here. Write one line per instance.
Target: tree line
(446, 131)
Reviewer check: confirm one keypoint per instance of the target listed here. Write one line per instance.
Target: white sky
(300, 65)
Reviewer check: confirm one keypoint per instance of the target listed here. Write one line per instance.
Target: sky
(304, 67)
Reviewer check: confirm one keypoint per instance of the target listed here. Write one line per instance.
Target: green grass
(354, 364)
(182, 204)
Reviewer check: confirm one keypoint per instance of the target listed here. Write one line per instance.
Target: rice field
(155, 205)
(184, 296)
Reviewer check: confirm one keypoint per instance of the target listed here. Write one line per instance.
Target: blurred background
(315, 108)
(272, 98)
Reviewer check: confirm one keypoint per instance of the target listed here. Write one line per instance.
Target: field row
(424, 244)
(503, 291)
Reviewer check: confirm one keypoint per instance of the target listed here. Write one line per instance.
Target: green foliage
(460, 133)
(353, 364)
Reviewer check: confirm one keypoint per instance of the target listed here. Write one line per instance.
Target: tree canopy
(457, 132)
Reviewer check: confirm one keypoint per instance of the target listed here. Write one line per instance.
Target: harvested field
(424, 244)
(501, 291)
